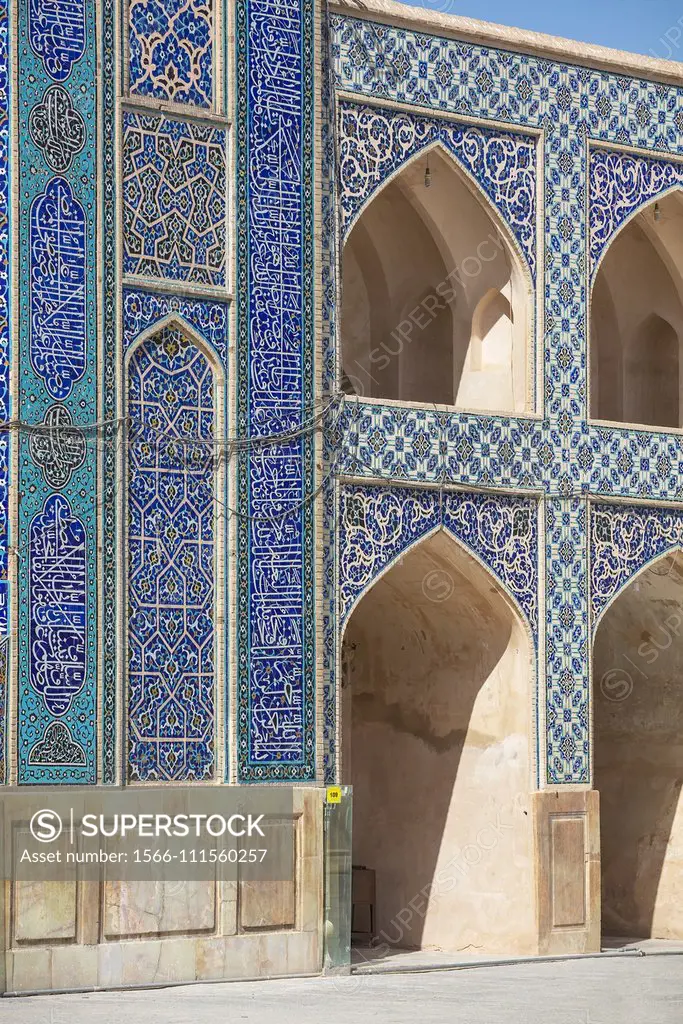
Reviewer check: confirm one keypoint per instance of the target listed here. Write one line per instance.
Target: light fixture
(657, 211)
(428, 177)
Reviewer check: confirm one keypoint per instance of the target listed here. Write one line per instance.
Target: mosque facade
(341, 373)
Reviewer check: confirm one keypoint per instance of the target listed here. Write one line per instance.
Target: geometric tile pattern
(57, 317)
(375, 440)
(619, 184)
(174, 196)
(207, 318)
(426, 445)
(373, 143)
(275, 296)
(566, 599)
(170, 45)
(171, 561)
(560, 454)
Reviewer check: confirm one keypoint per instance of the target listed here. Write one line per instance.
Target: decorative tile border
(108, 405)
(275, 571)
(57, 316)
(5, 408)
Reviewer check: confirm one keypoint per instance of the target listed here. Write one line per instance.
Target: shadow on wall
(436, 709)
(434, 300)
(638, 701)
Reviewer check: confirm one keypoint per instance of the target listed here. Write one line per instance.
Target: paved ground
(380, 958)
(632, 990)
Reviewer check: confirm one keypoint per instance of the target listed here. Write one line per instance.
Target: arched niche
(419, 261)
(638, 753)
(636, 320)
(436, 712)
(172, 384)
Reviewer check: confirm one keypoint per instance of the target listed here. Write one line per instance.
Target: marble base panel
(112, 934)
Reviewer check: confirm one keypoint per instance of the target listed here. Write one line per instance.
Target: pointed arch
(467, 552)
(636, 318)
(174, 387)
(437, 244)
(436, 717)
(420, 155)
(637, 651)
(625, 583)
(647, 202)
(182, 324)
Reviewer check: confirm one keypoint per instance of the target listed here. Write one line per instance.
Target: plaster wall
(638, 667)
(437, 694)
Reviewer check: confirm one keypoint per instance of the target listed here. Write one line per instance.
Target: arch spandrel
(500, 167)
(380, 525)
(624, 542)
(622, 185)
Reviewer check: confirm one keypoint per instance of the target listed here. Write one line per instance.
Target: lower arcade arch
(638, 744)
(436, 714)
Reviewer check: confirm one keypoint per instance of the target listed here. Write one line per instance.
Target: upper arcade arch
(423, 253)
(636, 318)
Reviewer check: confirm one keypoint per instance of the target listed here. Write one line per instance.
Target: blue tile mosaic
(171, 560)
(591, 185)
(374, 143)
(275, 295)
(58, 288)
(56, 219)
(170, 47)
(174, 199)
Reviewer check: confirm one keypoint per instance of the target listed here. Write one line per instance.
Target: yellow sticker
(334, 794)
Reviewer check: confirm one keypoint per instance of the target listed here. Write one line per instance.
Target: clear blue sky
(637, 25)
